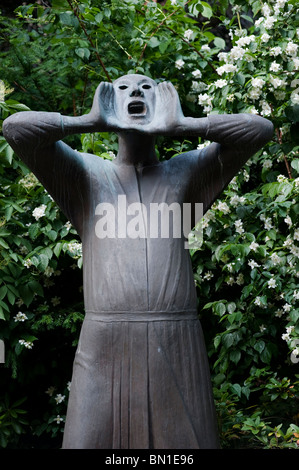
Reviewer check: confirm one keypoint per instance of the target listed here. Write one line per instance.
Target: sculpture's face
(135, 98)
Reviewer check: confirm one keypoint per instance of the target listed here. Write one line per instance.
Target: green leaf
(154, 42)
(295, 164)
(235, 356)
(219, 42)
(236, 388)
(240, 78)
(292, 113)
(83, 52)
(259, 346)
(228, 340)
(219, 308)
(207, 10)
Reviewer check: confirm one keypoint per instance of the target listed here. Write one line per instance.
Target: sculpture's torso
(151, 272)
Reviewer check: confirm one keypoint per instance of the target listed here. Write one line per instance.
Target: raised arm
(235, 137)
(36, 138)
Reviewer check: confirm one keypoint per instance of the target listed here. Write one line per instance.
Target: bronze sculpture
(141, 377)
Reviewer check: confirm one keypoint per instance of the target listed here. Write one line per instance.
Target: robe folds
(141, 377)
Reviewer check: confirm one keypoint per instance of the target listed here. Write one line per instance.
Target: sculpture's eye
(123, 87)
(146, 86)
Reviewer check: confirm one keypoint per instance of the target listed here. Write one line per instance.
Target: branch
(75, 11)
(278, 133)
(174, 32)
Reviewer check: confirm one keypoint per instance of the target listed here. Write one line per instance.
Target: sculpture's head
(135, 98)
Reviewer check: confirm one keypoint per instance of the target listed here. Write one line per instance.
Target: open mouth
(136, 108)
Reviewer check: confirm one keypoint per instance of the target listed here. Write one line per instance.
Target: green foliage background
(222, 56)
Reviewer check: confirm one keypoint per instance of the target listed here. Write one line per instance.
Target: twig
(75, 11)
(278, 133)
(174, 32)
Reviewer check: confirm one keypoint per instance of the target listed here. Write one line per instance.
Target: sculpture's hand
(168, 118)
(102, 113)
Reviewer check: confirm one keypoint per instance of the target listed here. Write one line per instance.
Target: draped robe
(141, 377)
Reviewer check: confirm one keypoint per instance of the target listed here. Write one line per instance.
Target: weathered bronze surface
(141, 377)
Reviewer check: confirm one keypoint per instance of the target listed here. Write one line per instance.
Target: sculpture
(141, 377)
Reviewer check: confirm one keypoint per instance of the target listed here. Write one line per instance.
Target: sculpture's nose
(136, 92)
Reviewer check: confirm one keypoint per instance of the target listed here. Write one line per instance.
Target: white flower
(267, 164)
(179, 63)
(27, 344)
(289, 329)
(27, 263)
(268, 223)
(204, 99)
(236, 53)
(223, 56)
(253, 264)
(50, 391)
(266, 109)
(258, 302)
(272, 283)
(206, 48)
(220, 83)
(275, 51)
(59, 398)
(39, 211)
(236, 200)
(265, 37)
(269, 22)
(48, 271)
(296, 234)
(188, 34)
(255, 93)
(240, 279)
(279, 95)
(253, 246)
(292, 49)
(239, 226)
(285, 337)
(275, 67)
(75, 248)
(245, 40)
(266, 10)
(288, 220)
(55, 301)
(208, 275)
(257, 82)
(287, 307)
(259, 21)
(296, 63)
(294, 98)
(223, 207)
(20, 317)
(226, 68)
(58, 419)
(196, 73)
(275, 259)
(281, 178)
(277, 82)
(197, 87)
(295, 250)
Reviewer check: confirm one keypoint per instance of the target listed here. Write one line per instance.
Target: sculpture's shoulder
(184, 162)
(95, 163)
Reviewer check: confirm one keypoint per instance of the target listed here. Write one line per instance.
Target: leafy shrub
(226, 56)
